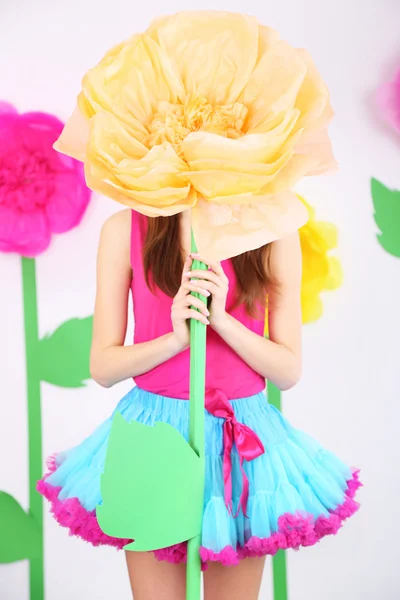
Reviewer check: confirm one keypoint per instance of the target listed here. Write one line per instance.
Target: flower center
(26, 182)
(173, 122)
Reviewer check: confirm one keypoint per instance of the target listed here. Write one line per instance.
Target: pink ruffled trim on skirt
(294, 530)
(71, 514)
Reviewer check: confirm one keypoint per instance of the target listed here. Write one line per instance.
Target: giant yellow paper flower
(209, 111)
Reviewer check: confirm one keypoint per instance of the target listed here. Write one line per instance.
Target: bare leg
(152, 579)
(234, 583)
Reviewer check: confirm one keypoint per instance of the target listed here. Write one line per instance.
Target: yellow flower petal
(335, 276)
(214, 52)
(227, 186)
(222, 169)
(290, 174)
(134, 201)
(111, 141)
(132, 84)
(313, 97)
(317, 147)
(273, 87)
(74, 137)
(312, 309)
(266, 38)
(321, 272)
(125, 165)
(260, 147)
(223, 231)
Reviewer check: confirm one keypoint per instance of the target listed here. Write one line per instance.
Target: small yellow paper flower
(321, 272)
(208, 111)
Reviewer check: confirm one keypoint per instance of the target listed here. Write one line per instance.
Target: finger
(194, 286)
(181, 293)
(213, 265)
(188, 260)
(197, 303)
(189, 300)
(186, 266)
(204, 275)
(208, 286)
(190, 313)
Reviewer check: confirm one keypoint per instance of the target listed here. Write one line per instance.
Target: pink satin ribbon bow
(248, 445)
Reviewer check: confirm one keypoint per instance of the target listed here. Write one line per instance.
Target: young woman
(291, 492)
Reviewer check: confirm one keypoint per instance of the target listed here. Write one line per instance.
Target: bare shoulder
(115, 236)
(289, 243)
(118, 224)
(285, 259)
(117, 227)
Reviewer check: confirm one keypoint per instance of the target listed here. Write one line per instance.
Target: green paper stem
(280, 576)
(198, 334)
(279, 560)
(36, 574)
(274, 395)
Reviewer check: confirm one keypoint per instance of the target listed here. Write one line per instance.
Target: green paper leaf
(63, 356)
(152, 486)
(19, 533)
(387, 216)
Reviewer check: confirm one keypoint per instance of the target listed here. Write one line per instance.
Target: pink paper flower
(389, 101)
(41, 191)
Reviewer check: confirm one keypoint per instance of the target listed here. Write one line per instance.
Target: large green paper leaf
(151, 486)
(387, 216)
(19, 534)
(63, 356)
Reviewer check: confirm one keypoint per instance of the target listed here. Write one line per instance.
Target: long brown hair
(163, 265)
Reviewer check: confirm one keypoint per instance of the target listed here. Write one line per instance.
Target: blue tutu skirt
(298, 491)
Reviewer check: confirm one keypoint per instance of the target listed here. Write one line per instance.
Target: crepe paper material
(208, 111)
(388, 99)
(198, 335)
(387, 216)
(41, 192)
(279, 567)
(279, 573)
(62, 358)
(322, 272)
(31, 329)
(151, 486)
(19, 533)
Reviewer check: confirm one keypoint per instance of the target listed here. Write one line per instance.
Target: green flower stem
(279, 560)
(34, 420)
(196, 430)
(280, 576)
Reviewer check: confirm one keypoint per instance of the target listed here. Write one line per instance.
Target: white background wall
(348, 397)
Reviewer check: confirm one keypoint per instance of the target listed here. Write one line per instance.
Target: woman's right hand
(183, 307)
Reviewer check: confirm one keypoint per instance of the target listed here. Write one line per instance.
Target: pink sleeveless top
(225, 370)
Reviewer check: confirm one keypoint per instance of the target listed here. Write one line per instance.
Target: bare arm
(278, 358)
(110, 360)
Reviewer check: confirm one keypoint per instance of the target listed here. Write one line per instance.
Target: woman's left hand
(216, 283)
